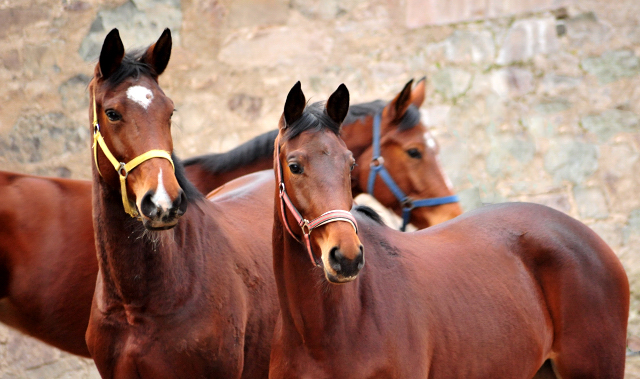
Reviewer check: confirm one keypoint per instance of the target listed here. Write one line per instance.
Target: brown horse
(495, 293)
(48, 265)
(184, 287)
(397, 159)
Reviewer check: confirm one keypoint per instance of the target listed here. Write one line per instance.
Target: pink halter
(306, 225)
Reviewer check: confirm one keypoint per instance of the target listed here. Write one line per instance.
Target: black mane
(370, 213)
(132, 66)
(410, 118)
(314, 118)
(249, 152)
(190, 191)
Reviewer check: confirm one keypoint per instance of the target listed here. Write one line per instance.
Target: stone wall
(541, 107)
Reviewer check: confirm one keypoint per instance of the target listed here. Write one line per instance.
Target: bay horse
(185, 287)
(397, 159)
(495, 293)
(48, 264)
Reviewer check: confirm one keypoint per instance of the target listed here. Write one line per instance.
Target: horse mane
(370, 213)
(244, 154)
(410, 118)
(314, 118)
(132, 66)
(190, 191)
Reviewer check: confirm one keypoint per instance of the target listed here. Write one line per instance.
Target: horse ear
(338, 104)
(158, 54)
(294, 106)
(418, 93)
(398, 106)
(111, 54)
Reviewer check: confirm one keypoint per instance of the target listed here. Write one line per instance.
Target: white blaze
(140, 95)
(161, 197)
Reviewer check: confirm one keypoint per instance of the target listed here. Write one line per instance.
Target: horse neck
(140, 268)
(310, 306)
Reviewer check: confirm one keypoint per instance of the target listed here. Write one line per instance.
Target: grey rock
(611, 233)
(512, 82)
(40, 137)
(591, 202)
(140, 24)
(73, 92)
(451, 82)
(612, 65)
(585, 28)
(610, 122)
(323, 9)
(508, 154)
(551, 106)
(528, 38)
(246, 105)
(571, 160)
(469, 46)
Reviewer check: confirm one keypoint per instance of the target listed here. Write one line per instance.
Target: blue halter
(377, 168)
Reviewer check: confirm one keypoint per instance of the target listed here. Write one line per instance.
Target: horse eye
(113, 115)
(295, 168)
(353, 165)
(414, 153)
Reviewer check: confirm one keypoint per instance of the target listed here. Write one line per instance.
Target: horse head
(131, 122)
(313, 167)
(401, 168)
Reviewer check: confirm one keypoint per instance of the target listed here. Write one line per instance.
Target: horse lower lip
(150, 225)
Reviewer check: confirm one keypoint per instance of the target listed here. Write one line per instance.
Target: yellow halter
(122, 168)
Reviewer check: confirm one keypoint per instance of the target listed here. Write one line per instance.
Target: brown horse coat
(494, 293)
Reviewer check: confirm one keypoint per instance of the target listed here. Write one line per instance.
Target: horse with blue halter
(513, 290)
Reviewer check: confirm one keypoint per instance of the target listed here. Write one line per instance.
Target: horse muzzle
(158, 213)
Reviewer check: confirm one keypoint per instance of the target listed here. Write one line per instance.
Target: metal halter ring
(121, 169)
(407, 203)
(377, 162)
(305, 224)
(281, 186)
(96, 128)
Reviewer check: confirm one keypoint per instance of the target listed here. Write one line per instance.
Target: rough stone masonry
(534, 101)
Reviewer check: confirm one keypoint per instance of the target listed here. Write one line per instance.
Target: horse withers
(505, 291)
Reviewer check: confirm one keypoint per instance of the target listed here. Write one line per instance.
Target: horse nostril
(179, 205)
(147, 207)
(360, 258)
(335, 259)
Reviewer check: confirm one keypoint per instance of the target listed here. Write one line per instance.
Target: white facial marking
(430, 141)
(161, 197)
(140, 95)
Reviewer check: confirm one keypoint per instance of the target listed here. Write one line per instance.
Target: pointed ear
(398, 106)
(158, 54)
(338, 104)
(418, 93)
(111, 54)
(294, 106)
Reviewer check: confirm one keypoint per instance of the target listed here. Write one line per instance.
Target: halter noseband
(305, 225)
(407, 203)
(122, 168)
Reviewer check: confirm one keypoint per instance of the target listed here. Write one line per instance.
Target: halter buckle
(281, 187)
(121, 169)
(377, 162)
(407, 203)
(96, 128)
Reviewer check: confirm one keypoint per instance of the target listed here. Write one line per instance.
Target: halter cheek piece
(305, 225)
(122, 168)
(407, 203)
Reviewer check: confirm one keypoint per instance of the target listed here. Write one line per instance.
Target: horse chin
(159, 225)
(339, 279)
